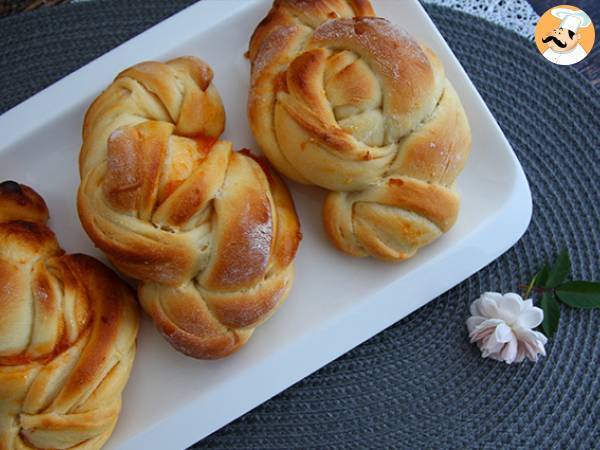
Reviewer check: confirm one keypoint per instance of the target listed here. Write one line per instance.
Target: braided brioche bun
(348, 102)
(68, 326)
(210, 233)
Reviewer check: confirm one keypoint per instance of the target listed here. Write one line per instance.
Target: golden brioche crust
(350, 103)
(68, 326)
(210, 233)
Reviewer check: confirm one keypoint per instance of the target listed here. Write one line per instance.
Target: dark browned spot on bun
(281, 83)
(360, 27)
(10, 186)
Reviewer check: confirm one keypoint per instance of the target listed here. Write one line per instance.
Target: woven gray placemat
(419, 384)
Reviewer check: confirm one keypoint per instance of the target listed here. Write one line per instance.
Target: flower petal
(541, 337)
(531, 317)
(488, 306)
(481, 333)
(532, 354)
(473, 322)
(484, 329)
(496, 356)
(531, 344)
(520, 353)
(542, 349)
(493, 323)
(490, 345)
(474, 308)
(503, 333)
(496, 296)
(509, 307)
(509, 352)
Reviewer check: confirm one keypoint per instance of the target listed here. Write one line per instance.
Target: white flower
(502, 326)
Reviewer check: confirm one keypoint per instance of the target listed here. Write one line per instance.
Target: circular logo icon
(565, 35)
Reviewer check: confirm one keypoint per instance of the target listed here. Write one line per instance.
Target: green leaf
(579, 294)
(559, 271)
(538, 280)
(551, 310)
(541, 277)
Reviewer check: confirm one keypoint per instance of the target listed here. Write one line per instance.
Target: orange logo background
(548, 23)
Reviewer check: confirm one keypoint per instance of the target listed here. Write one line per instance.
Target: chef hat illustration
(572, 20)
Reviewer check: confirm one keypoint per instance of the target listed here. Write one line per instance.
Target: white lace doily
(516, 15)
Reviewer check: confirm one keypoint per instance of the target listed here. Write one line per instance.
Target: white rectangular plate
(337, 301)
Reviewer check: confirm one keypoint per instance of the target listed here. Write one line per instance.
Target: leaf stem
(538, 289)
